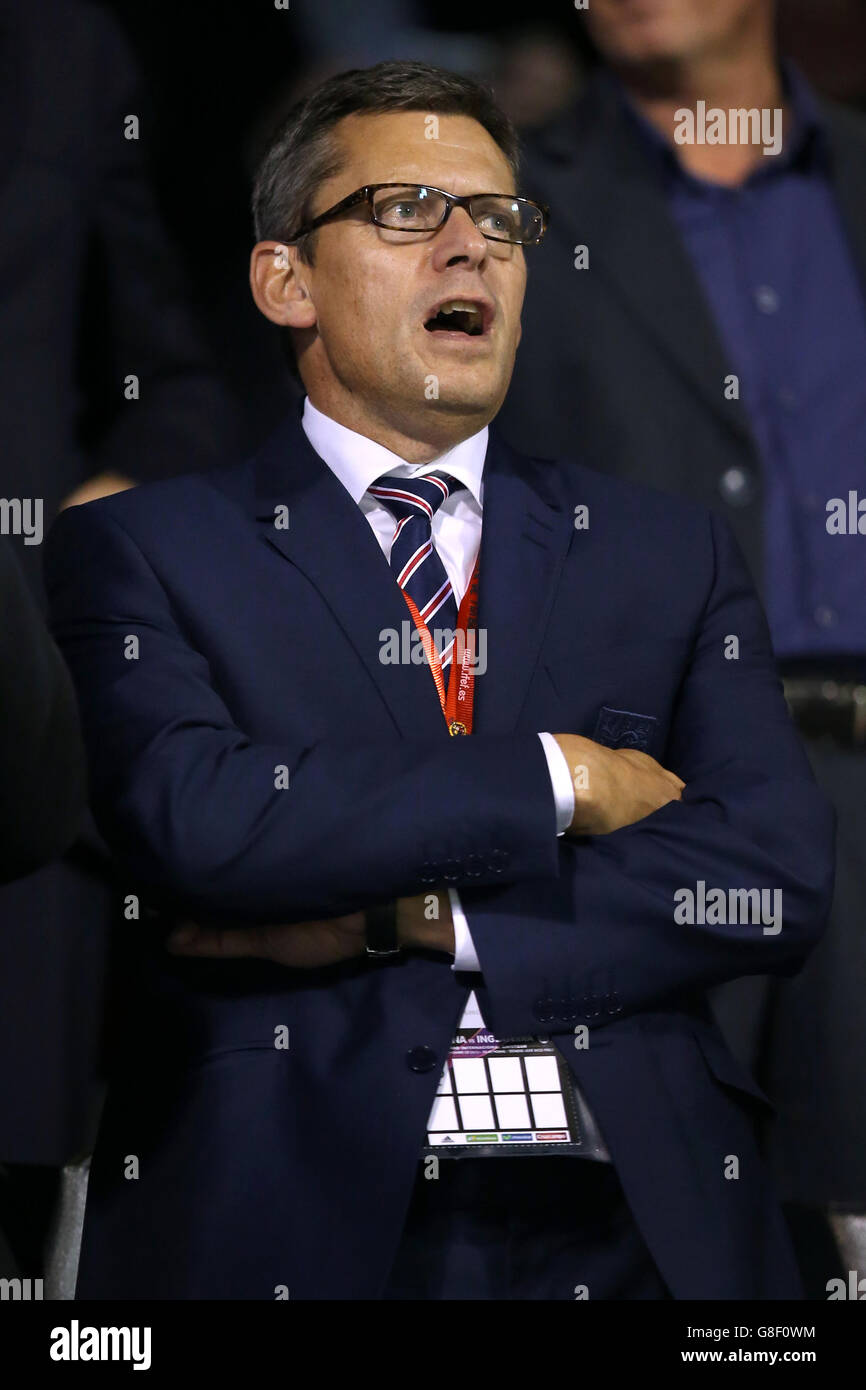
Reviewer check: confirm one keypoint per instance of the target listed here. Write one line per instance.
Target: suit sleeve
(204, 818)
(601, 940)
(42, 789)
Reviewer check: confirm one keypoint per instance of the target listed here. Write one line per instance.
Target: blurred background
(216, 78)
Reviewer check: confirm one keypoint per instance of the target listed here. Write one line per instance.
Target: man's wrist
(381, 932)
(425, 924)
(580, 754)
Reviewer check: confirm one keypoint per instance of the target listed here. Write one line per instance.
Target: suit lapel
(524, 539)
(604, 193)
(525, 536)
(331, 542)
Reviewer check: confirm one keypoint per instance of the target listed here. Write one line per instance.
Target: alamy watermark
(20, 1290)
(77, 1343)
(406, 647)
(737, 126)
(22, 516)
(846, 517)
(711, 907)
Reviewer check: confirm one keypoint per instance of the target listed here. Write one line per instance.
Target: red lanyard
(457, 705)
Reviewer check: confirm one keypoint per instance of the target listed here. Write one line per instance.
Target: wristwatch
(381, 930)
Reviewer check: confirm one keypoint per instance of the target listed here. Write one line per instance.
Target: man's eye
(403, 212)
(498, 222)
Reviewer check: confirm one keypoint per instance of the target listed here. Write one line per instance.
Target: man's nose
(459, 240)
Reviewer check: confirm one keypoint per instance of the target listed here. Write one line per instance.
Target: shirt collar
(809, 136)
(358, 461)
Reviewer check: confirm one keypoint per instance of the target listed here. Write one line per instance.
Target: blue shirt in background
(779, 276)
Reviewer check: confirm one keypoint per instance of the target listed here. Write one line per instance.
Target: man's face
(650, 31)
(374, 289)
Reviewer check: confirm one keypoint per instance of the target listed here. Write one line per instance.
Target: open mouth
(458, 316)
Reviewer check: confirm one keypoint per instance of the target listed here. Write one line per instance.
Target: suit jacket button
(452, 870)
(543, 1010)
(421, 1058)
(498, 860)
(737, 487)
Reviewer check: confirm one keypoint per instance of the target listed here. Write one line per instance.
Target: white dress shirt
(358, 462)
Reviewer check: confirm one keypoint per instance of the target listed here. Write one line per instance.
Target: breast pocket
(621, 728)
(620, 694)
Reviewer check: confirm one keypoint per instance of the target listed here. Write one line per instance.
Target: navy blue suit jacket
(258, 649)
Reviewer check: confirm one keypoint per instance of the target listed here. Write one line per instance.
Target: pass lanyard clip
(457, 704)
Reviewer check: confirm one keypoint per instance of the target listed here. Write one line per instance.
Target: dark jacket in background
(90, 293)
(41, 755)
(623, 365)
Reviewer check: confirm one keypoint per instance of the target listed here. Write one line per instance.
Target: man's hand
(301, 945)
(307, 945)
(416, 928)
(614, 787)
(100, 485)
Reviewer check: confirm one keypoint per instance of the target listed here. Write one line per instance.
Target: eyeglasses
(416, 207)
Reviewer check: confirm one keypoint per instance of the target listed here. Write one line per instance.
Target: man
(716, 346)
(270, 760)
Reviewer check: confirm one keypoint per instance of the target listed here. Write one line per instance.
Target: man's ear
(279, 285)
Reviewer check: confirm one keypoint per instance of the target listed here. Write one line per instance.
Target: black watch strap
(381, 930)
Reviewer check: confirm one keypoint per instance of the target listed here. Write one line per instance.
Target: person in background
(41, 753)
(42, 778)
(700, 325)
(105, 383)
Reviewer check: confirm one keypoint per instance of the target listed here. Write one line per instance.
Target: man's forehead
(422, 147)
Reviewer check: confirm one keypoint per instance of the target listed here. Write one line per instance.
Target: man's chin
(463, 400)
(462, 385)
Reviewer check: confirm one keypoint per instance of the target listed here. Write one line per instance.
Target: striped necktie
(413, 502)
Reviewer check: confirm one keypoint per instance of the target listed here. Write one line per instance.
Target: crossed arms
(187, 802)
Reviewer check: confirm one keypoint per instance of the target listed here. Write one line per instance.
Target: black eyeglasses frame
(452, 201)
